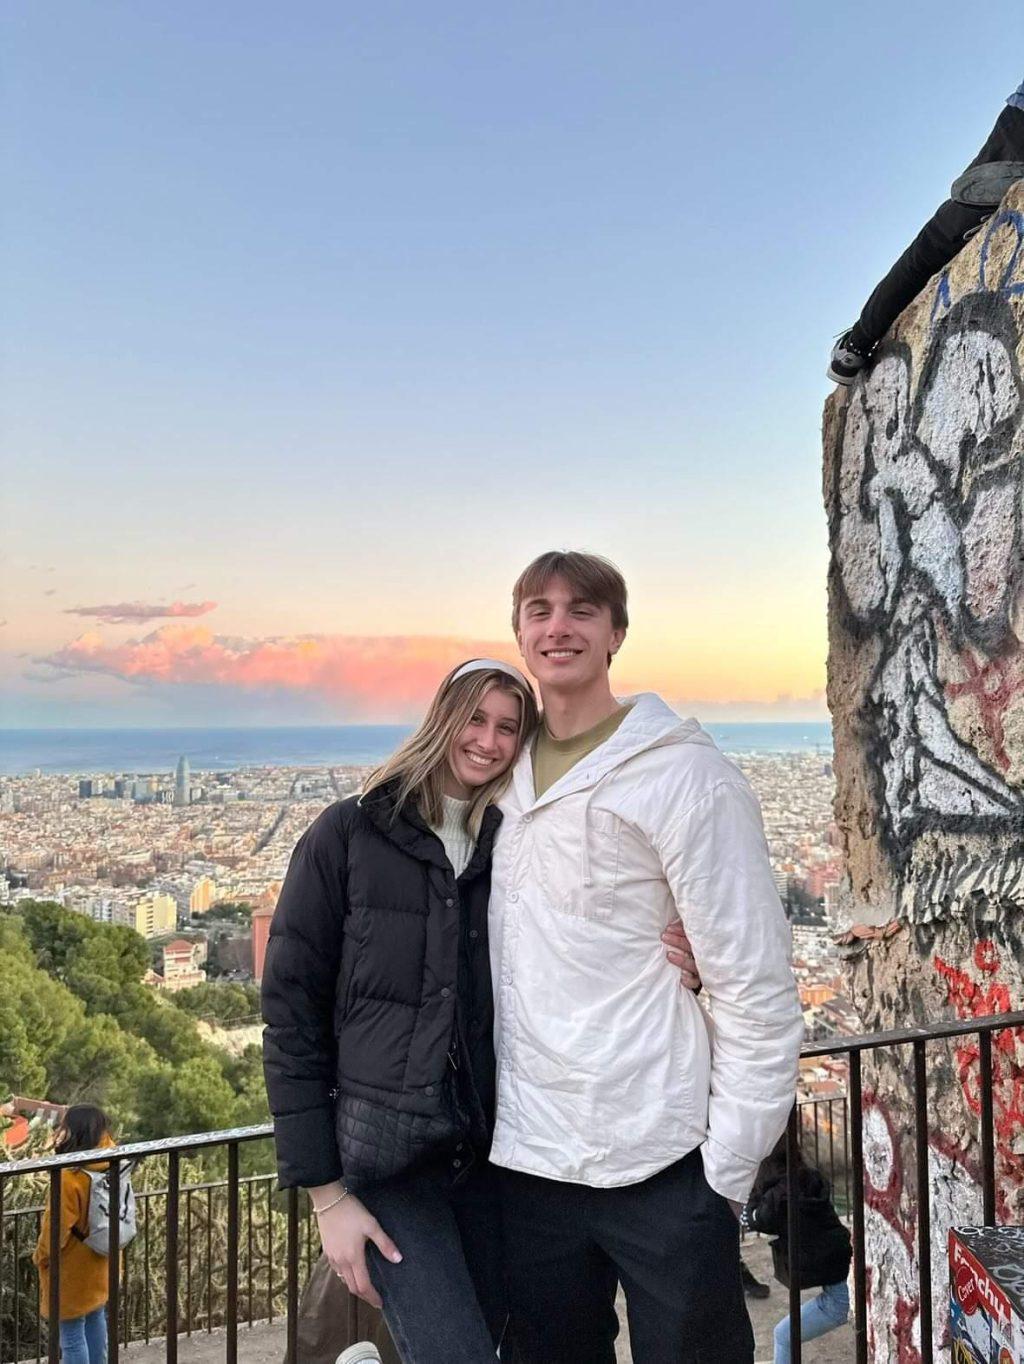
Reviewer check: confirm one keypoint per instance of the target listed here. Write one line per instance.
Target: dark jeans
(938, 241)
(445, 1303)
(672, 1242)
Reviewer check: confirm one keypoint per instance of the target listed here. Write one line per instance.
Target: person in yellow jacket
(84, 1285)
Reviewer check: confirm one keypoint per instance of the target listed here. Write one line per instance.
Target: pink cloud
(120, 612)
(386, 676)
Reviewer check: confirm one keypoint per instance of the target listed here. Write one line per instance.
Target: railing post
(209, 1258)
(171, 1256)
(924, 1212)
(292, 1299)
(114, 1260)
(793, 1232)
(988, 1154)
(17, 1296)
(54, 1303)
(832, 1146)
(232, 1268)
(846, 1151)
(248, 1238)
(2, 1231)
(188, 1262)
(270, 1252)
(146, 1242)
(860, 1300)
(817, 1156)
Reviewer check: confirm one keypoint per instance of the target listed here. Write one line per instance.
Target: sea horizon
(78, 751)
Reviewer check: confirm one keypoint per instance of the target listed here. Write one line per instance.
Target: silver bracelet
(333, 1203)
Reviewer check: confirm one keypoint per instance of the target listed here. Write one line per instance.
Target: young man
(629, 1127)
(936, 244)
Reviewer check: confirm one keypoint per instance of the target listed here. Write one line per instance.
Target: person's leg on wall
(932, 249)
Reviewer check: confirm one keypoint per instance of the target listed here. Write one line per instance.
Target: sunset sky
(323, 319)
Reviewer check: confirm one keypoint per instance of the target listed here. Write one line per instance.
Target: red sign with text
(986, 1314)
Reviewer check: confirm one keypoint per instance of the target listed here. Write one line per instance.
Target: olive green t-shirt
(552, 758)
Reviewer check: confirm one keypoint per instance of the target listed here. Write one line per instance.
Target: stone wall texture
(923, 486)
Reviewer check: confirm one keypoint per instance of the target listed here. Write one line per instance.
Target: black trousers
(671, 1241)
(445, 1302)
(938, 241)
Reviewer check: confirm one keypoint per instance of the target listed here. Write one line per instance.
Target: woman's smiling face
(487, 745)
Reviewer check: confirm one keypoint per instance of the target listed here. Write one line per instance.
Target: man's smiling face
(564, 639)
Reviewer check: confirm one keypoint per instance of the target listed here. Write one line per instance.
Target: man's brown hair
(591, 578)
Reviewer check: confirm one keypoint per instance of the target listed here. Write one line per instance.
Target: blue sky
(335, 315)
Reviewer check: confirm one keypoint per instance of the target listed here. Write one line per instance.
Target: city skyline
(325, 328)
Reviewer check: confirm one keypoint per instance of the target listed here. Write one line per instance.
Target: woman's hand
(344, 1232)
(680, 954)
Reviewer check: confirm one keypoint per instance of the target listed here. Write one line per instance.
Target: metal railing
(824, 1126)
(202, 1292)
(172, 1195)
(829, 1120)
(853, 1049)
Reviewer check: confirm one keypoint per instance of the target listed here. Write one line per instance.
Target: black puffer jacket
(824, 1241)
(360, 987)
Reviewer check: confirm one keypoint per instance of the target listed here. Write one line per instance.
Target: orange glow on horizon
(393, 676)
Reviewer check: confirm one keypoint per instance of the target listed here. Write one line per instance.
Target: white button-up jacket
(608, 1071)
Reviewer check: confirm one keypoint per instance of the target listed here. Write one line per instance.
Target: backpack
(97, 1234)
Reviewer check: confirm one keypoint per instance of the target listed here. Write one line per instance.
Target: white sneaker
(363, 1352)
(846, 362)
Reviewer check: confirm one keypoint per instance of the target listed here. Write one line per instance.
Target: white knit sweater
(452, 831)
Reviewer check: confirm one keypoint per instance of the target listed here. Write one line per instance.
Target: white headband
(479, 665)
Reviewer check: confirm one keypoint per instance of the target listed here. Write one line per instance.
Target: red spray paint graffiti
(974, 990)
(895, 1309)
(976, 998)
(992, 685)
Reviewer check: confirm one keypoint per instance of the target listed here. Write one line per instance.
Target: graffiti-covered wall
(923, 484)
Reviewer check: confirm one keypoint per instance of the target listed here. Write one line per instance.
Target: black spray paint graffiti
(926, 540)
(989, 886)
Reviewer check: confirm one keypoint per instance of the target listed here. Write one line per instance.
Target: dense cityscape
(186, 858)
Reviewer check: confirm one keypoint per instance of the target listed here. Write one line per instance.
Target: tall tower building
(183, 782)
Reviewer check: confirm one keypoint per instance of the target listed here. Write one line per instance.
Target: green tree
(113, 956)
(99, 1063)
(169, 1032)
(245, 1075)
(231, 911)
(21, 1066)
(226, 1002)
(192, 1097)
(54, 932)
(77, 1024)
(47, 1009)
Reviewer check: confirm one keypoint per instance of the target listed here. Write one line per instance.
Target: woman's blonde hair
(420, 764)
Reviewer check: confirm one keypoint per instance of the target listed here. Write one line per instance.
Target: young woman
(83, 1273)
(378, 1048)
(824, 1244)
